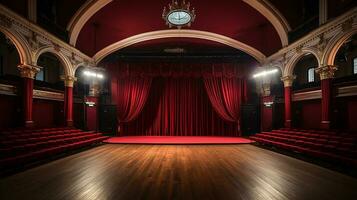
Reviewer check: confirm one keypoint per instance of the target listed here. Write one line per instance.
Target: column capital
(68, 80)
(288, 80)
(28, 71)
(326, 72)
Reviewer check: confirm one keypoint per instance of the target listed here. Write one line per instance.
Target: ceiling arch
(174, 33)
(263, 7)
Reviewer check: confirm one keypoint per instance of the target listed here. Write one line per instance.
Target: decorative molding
(83, 14)
(326, 72)
(8, 90)
(68, 80)
(288, 80)
(28, 37)
(323, 42)
(183, 33)
(41, 94)
(301, 96)
(28, 71)
(12, 90)
(347, 91)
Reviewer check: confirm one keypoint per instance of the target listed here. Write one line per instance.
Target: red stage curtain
(225, 95)
(179, 107)
(132, 93)
(177, 103)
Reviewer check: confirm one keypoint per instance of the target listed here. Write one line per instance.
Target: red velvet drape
(132, 93)
(179, 99)
(225, 95)
(179, 107)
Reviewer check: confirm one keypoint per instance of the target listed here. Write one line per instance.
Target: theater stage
(177, 140)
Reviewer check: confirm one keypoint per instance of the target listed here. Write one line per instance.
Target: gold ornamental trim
(28, 71)
(288, 80)
(326, 72)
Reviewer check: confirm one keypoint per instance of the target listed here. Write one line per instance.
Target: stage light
(265, 73)
(93, 74)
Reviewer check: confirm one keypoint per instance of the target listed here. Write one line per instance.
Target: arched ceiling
(121, 19)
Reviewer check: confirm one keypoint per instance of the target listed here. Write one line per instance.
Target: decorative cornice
(28, 71)
(301, 96)
(182, 33)
(41, 94)
(28, 28)
(68, 80)
(8, 89)
(288, 80)
(326, 72)
(347, 91)
(328, 30)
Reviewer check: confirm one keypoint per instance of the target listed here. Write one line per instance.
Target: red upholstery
(340, 147)
(18, 147)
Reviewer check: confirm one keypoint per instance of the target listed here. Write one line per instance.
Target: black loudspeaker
(250, 119)
(108, 119)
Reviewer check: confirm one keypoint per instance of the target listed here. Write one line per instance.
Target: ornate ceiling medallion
(179, 14)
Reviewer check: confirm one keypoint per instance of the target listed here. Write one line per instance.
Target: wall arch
(260, 57)
(20, 43)
(289, 68)
(335, 44)
(67, 65)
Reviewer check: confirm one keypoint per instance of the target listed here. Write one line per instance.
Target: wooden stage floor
(223, 172)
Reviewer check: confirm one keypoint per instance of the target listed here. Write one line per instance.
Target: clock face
(179, 17)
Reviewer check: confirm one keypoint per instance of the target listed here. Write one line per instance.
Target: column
(288, 82)
(68, 99)
(28, 73)
(326, 74)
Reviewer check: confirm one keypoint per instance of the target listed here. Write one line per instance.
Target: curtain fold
(132, 93)
(225, 95)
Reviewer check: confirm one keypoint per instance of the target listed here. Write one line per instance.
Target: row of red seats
(25, 130)
(331, 146)
(20, 147)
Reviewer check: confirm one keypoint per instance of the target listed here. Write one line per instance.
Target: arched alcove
(346, 58)
(304, 69)
(49, 79)
(10, 105)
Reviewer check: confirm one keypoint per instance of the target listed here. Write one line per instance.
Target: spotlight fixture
(93, 74)
(179, 14)
(265, 73)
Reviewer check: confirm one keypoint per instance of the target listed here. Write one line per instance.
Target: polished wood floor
(178, 172)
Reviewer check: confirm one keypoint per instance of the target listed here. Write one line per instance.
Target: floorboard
(115, 171)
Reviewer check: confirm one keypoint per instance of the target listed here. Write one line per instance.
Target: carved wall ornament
(299, 49)
(347, 25)
(5, 21)
(288, 80)
(33, 41)
(327, 71)
(28, 71)
(68, 80)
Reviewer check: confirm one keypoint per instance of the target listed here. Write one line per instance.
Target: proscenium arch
(20, 44)
(177, 33)
(289, 68)
(264, 7)
(66, 64)
(335, 44)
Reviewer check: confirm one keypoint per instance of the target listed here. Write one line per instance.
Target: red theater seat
(328, 145)
(19, 147)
